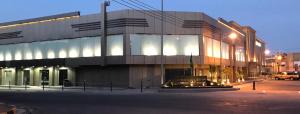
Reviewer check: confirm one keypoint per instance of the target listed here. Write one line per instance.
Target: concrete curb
(196, 90)
(6, 109)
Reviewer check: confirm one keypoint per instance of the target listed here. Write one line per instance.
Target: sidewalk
(81, 89)
(78, 89)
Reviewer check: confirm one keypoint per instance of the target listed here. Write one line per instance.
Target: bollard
(253, 85)
(43, 83)
(25, 86)
(9, 85)
(141, 86)
(111, 86)
(84, 85)
(62, 86)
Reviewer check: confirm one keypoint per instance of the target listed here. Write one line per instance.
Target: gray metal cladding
(42, 18)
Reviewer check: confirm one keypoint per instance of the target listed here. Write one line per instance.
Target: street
(276, 97)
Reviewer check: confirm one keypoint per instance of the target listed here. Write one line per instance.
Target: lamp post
(233, 37)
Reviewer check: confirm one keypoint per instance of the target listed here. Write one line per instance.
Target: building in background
(254, 50)
(282, 62)
(69, 46)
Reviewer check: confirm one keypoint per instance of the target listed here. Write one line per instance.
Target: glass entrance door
(63, 75)
(26, 77)
(44, 77)
(7, 78)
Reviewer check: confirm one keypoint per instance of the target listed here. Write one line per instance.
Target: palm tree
(227, 72)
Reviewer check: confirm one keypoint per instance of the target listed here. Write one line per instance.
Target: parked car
(291, 75)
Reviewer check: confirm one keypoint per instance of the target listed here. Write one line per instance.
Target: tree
(212, 70)
(227, 72)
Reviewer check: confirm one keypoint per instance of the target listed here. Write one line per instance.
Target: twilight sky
(276, 21)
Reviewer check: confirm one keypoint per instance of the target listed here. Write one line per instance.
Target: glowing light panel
(28, 56)
(87, 52)
(150, 51)
(8, 56)
(38, 55)
(18, 55)
(62, 54)
(116, 51)
(50, 55)
(73, 53)
(170, 51)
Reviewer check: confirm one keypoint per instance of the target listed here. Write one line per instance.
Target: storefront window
(240, 54)
(213, 49)
(172, 45)
(67, 48)
(181, 45)
(115, 45)
(148, 45)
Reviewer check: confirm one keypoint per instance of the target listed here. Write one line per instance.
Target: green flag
(191, 61)
(192, 65)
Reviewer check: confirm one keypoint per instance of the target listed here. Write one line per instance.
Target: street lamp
(232, 36)
(279, 57)
(267, 52)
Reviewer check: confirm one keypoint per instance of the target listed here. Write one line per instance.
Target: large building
(73, 47)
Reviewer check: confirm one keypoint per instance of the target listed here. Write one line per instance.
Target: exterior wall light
(232, 36)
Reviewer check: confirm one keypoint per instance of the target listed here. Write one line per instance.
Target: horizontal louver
(87, 26)
(132, 22)
(198, 24)
(122, 22)
(10, 35)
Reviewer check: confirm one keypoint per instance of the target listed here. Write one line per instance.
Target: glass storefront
(149, 45)
(67, 48)
(212, 48)
(240, 54)
(115, 45)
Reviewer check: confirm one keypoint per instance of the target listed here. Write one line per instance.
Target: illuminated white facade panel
(173, 45)
(213, 48)
(115, 45)
(67, 48)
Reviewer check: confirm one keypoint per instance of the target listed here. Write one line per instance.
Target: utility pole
(104, 31)
(221, 59)
(161, 42)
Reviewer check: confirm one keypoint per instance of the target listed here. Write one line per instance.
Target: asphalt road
(271, 97)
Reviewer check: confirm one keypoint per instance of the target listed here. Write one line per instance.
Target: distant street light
(267, 52)
(279, 57)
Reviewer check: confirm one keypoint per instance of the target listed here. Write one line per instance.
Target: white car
(292, 75)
